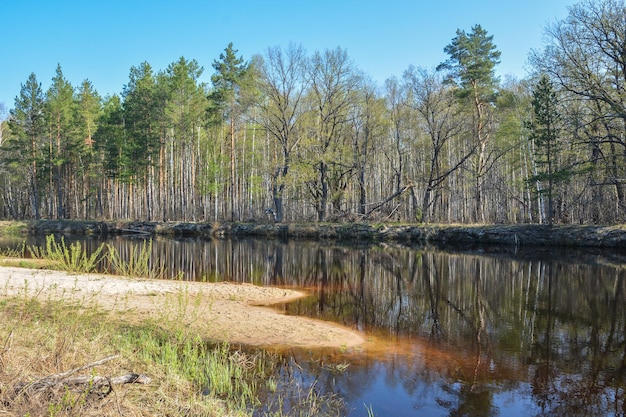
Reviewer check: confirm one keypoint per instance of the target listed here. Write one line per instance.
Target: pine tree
(88, 111)
(473, 58)
(544, 132)
(109, 137)
(185, 112)
(63, 146)
(27, 125)
(228, 82)
(142, 112)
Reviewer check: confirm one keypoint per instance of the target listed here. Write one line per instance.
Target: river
(472, 331)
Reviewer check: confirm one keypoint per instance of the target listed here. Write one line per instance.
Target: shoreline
(439, 234)
(219, 312)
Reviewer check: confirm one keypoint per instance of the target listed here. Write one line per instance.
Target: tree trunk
(362, 191)
(321, 210)
(426, 205)
(232, 168)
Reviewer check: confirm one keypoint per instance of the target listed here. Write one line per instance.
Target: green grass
(138, 263)
(45, 337)
(189, 376)
(13, 228)
(73, 258)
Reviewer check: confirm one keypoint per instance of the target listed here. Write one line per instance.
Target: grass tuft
(74, 258)
(70, 259)
(138, 263)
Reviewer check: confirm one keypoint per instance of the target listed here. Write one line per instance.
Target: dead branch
(398, 193)
(99, 385)
(80, 368)
(92, 381)
(130, 378)
(7, 346)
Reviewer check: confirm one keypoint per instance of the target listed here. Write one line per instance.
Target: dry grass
(28, 263)
(43, 338)
(44, 334)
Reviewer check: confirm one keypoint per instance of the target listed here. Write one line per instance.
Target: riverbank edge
(441, 234)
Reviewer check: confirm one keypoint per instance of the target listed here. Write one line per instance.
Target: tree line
(296, 136)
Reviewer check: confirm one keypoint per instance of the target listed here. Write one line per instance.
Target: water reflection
(524, 337)
(472, 332)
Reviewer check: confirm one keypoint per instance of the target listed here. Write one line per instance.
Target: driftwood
(100, 386)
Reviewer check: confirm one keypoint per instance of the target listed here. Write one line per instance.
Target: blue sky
(100, 40)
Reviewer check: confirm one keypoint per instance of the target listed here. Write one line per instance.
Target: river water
(473, 331)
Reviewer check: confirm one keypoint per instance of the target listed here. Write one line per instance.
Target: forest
(293, 136)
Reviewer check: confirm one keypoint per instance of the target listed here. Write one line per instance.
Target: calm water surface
(457, 332)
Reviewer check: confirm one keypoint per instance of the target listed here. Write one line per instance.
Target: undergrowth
(47, 334)
(72, 258)
(137, 264)
(43, 338)
(75, 258)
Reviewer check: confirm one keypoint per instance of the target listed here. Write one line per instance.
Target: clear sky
(100, 40)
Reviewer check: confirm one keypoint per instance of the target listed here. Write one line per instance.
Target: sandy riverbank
(236, 313)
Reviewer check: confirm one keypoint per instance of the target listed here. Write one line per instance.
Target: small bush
(138, 263)
(71, 259)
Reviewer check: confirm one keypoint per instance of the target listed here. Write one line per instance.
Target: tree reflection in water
(481, 333)
(476, 332)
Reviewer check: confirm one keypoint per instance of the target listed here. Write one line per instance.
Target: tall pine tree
(63, 146)
(142, 113)
(231, 74)
(27, 124)
(471, 66)
(544, 132)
